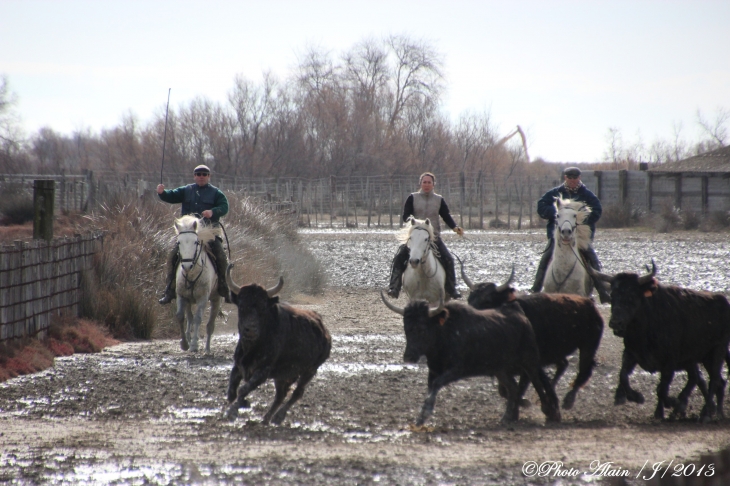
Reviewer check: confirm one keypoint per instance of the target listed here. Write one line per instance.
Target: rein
(190, 284)
(577, 259)
(426, 251)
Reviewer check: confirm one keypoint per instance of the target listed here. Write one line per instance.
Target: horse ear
(195, 225)
(413, 221)
(427, 222)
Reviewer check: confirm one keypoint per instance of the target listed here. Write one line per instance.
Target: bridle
(426, 251)
(572, 248)
(193, 261)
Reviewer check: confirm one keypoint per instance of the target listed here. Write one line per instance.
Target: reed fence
(40, 280)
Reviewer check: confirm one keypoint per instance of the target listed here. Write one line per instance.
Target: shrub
(715, 221)
(668, 219)
(16, 204)
(617, 216)
(690, 219)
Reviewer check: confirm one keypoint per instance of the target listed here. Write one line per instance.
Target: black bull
(275, 341)
(562, 323)
(666, 329)
(460, 342)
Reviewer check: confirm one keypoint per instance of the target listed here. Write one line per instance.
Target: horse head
(569, 223)
(420, 238)
(189, 245)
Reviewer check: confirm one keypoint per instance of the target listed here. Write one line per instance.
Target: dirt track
(150, 413)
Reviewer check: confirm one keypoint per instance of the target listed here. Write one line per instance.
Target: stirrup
(167, 298)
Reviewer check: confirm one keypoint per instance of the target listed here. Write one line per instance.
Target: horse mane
(185, 223)
(582, 210)
(404, 234)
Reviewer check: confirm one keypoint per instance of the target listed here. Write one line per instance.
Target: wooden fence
(477, 200)
(39, 280)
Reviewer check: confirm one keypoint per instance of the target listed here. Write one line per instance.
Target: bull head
(432, 311)
(235, 288)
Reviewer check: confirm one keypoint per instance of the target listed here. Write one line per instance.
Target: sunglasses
(202, 174)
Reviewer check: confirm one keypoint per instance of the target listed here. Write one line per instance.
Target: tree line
(374, 109)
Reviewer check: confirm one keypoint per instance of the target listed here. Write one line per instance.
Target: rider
(571, 188)
(209, 202)
(427, 204)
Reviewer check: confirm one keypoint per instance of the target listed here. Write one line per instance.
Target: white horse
(424, 276)
(566, 273)
(196, 281)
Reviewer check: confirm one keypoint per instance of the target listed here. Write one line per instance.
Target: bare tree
(253, 106)
(11, 137)
(715, 130)
(417, 76)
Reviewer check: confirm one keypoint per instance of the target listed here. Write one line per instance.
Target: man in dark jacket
(427, 204)
(208, 201)
(572, 188)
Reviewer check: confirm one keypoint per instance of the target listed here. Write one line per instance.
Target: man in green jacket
(200, 198)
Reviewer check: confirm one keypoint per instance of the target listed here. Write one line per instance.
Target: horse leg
(180, 316)
(215, 307)
(197, 320)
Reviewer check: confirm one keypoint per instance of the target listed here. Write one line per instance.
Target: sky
(565, 71)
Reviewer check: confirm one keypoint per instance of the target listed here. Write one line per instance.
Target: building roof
(714, 161)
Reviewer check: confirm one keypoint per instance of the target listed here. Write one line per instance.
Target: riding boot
(221, 264)
(591, 258)
(172, 261)
(547, 255)
(448, 262)
(396, 272)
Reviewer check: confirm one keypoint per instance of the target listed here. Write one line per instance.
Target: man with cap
(200, 198)
(571, 188)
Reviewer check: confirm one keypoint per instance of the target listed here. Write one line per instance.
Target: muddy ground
(149, 413)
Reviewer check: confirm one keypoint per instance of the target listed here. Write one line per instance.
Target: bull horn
(276, 289)
(647, 278)
(434, 311)
(506, 284)
(604, 277)
(466, 279)
(390, 306)
(233, 286)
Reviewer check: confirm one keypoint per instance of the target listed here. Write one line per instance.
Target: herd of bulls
(501, 334)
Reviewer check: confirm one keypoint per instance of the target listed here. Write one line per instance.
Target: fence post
(390, 205)
(649, 196)
(509, 208)
(623, 183)
(678, 191)
(462, 187)
(480, 192)
(43, 199)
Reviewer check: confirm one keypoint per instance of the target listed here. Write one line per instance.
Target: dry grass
(65, 337)
(128, 275)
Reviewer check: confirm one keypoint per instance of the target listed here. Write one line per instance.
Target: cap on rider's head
(201, 168)
(572, 172)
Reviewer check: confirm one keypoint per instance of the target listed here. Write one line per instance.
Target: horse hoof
(184, 345)
(525, 403)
